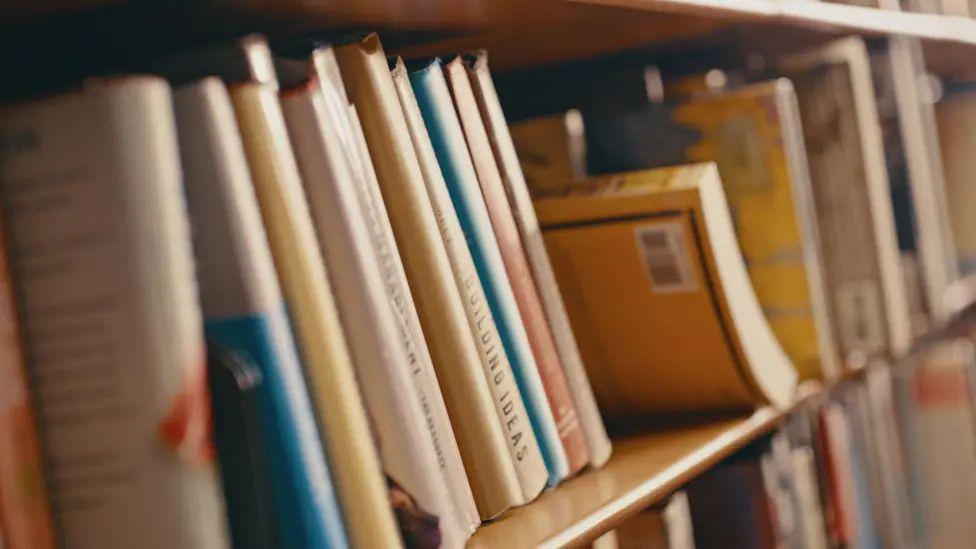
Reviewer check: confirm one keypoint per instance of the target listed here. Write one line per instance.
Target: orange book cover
(517, 267)
(25, 517)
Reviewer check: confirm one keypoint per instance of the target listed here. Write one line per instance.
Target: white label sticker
(860, 316)
(662, 248)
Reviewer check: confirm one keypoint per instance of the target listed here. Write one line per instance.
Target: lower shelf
(643, 469)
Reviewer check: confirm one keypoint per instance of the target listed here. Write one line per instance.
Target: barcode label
(662, 249)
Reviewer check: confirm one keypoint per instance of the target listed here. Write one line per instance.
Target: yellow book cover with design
(754, 136)
(658, 295)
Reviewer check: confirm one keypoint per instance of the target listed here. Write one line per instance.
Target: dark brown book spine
(517, 267)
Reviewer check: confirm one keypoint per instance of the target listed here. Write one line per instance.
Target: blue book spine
(306, 512)
(454, 160)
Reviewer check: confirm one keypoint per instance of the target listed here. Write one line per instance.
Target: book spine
(25, 516)
(370, 88)
(453, 157)
(348, 441)
(517, 267)
(117, 320)
(509, 406)
(401, 301)
(244, 311)
(598, 443)
(412, 454)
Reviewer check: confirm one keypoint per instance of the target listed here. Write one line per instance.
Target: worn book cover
(752, 135)
(658, 294)
(849, 178)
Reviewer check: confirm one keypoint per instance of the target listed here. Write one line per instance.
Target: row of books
(849, 212)
(404, 336)
(388, 360)
(887, 459)
(959, 8)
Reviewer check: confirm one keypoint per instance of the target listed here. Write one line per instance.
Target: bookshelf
(519, 36)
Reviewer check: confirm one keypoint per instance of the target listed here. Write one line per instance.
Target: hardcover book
(658, 294)
(523, 446)
(101, 255)
(244, 312)
(754, 136)
(956, 116)
(866, 292)
(370, 88)
(517, 191)
(551, 149)
(301, 270)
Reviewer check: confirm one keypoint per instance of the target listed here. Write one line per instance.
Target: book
(401, 413)
(753, 134)
(509, 405)
(935, 401)
(915, 167)
(350, 451)
(451, 152)
(380, 233)
(242, 448)
(658, 295)
(665, 525)
(551, 148)
(25, 514)
(100, 253)
(849, 178)
(597, 441)
(244, 312)
(516, 265)
(835, 439)
(956, 115)
(730, 507)
(370, 89)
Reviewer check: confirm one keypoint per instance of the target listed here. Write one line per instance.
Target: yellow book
(353, 459)
(957, 134)
(754, 136)
(551, 148)
(658, 295)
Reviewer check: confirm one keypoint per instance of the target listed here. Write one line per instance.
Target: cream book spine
(100, 250)
(353, 459)
(370, 88)
(509, 405)
(380, 233)
(517, 191)
(411, 453)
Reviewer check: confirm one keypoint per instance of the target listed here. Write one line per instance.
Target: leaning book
(659, 297)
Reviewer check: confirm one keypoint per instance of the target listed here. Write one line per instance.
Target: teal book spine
(454, 159)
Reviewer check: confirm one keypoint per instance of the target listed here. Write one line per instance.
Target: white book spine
(411, 453)
(101, 248)
(398, 293)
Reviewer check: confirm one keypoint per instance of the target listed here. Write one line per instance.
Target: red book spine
(518, 270)
(25, 516)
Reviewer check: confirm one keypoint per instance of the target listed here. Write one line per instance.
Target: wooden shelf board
(643, 469)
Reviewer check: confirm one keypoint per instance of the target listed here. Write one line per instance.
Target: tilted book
(244, 311)
(866, 292)
(753, 135)
(520, 201)
(350, 450)
(411, 453)
(370, 88)
(452, 155)
(523, 447)
(516, 265)
(373, 212)
(659, 297)
(101, 254)
(551, 148)
(25, 515)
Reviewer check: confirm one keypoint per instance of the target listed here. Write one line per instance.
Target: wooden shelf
(643, 469)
